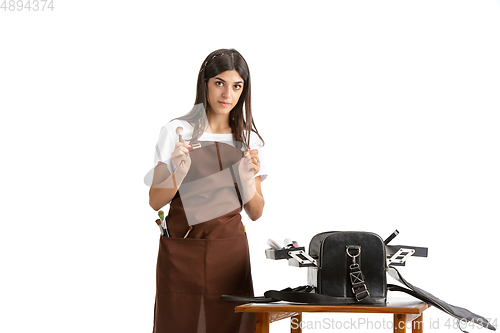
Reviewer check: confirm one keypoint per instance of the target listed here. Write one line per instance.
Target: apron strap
(232, 175)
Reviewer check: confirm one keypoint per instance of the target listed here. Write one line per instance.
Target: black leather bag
(346, 267)
(351, 266)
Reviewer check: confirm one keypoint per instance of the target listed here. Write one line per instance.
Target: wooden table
(404, 311)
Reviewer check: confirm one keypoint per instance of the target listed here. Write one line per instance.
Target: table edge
(417, 308)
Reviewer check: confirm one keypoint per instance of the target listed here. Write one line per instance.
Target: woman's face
(224, 91)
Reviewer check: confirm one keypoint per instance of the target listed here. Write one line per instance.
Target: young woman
(209, 168)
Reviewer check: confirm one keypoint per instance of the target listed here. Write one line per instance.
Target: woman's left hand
(249, 166)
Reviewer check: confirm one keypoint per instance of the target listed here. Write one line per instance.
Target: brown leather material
(193, 272)
(208, 190)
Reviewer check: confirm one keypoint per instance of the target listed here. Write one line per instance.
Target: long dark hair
(241, 122)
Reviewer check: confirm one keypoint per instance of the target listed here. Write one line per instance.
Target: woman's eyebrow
(218, 78)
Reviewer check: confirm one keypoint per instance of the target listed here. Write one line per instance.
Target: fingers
(180, 155)
(254, 153)
(256, 168)
(181, 144)
(252, 160)
(181, 149)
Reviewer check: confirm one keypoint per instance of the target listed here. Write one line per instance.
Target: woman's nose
(226, 92)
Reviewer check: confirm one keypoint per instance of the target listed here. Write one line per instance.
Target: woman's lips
(225, 104)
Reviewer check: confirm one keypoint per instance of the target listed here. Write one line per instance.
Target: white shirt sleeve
(256, 143)
(166, 142)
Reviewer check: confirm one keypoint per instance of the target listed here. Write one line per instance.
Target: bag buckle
(362, 294)
(356, 275)
(353, 251)
(358, 284)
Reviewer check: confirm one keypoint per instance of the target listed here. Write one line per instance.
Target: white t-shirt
(167, 139)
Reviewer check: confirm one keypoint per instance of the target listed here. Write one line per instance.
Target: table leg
(262, 322)
(417, 325)
(399, 323)
(295, 322)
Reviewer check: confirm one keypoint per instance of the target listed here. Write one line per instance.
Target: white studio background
(377, 115)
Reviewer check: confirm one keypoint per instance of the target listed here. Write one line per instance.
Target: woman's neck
(218, 124)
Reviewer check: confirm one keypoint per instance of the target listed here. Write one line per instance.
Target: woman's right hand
(181, 158)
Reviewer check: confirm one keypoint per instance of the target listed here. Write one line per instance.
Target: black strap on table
(312, 298)
(459, 313)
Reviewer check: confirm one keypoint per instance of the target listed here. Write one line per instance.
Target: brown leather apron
(192, 273)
